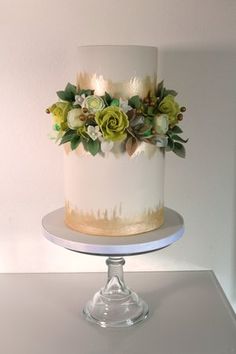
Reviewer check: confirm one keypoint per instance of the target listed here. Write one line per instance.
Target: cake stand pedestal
(115, 305)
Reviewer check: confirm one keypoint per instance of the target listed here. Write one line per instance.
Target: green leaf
(107, 98)
(115, 102)
(160, 88)
(135, 102)
(70, 88)
(150, 111)
(93, 146)
(85, 139)
(169, 92)
(147, 133)
(155, 108)
(67, 136)
(75, 142)
(56, 127)
(66, 96)
(179, 149)
(170, 144)
(178, 138)
(176, 129)
(62, 95)
(131, 145)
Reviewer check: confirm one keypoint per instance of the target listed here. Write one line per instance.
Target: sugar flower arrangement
(98, 122)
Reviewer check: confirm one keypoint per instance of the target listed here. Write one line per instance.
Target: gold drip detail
(100, 223)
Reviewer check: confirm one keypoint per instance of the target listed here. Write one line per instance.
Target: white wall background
(197, 56)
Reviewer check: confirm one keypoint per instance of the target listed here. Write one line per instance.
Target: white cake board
(57, 232)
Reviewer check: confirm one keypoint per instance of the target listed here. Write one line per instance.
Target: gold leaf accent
(125, 89)
(100, 224)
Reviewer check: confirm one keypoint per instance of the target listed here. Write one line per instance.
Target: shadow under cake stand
(115, 305)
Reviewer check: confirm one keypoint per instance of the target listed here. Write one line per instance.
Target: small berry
(182, 109)
(85, 110)
(180, 116)
(82, 117)
(47, 111)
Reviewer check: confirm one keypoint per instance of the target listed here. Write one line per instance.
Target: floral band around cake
(97, 122)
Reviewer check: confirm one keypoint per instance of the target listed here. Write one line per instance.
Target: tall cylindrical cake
(113, 193)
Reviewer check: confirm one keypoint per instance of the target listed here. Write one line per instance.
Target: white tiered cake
(115, 194)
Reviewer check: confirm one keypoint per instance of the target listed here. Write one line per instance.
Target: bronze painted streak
(101, 225)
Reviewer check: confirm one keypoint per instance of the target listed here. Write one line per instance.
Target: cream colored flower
(93, 103)
(73, 118)
(161, 123)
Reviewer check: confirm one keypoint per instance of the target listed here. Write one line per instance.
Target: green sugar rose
(170, 107)
(113, 122)
(59, 111)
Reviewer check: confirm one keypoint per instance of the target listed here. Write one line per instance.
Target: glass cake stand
(115, 305)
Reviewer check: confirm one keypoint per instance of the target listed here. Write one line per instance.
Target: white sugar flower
(124, 105)
(94, 132)
(106, 145)
(162, 141)
(79, 99)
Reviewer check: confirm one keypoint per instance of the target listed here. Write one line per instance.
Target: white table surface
(41, 314)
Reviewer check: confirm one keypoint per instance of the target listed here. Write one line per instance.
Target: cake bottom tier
(114, 194)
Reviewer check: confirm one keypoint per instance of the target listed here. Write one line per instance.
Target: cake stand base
(115, 305)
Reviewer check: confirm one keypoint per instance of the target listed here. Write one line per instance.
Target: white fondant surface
(131, 186)
(118, 62)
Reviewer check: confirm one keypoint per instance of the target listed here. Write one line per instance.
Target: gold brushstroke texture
(100, 224)
(125, 89)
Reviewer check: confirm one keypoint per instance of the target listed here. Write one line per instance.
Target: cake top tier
(123, 71)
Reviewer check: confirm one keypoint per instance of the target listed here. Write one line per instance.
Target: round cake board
(56, 231)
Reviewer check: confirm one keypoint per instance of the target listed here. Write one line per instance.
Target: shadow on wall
(234, 235)
(203, 187)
